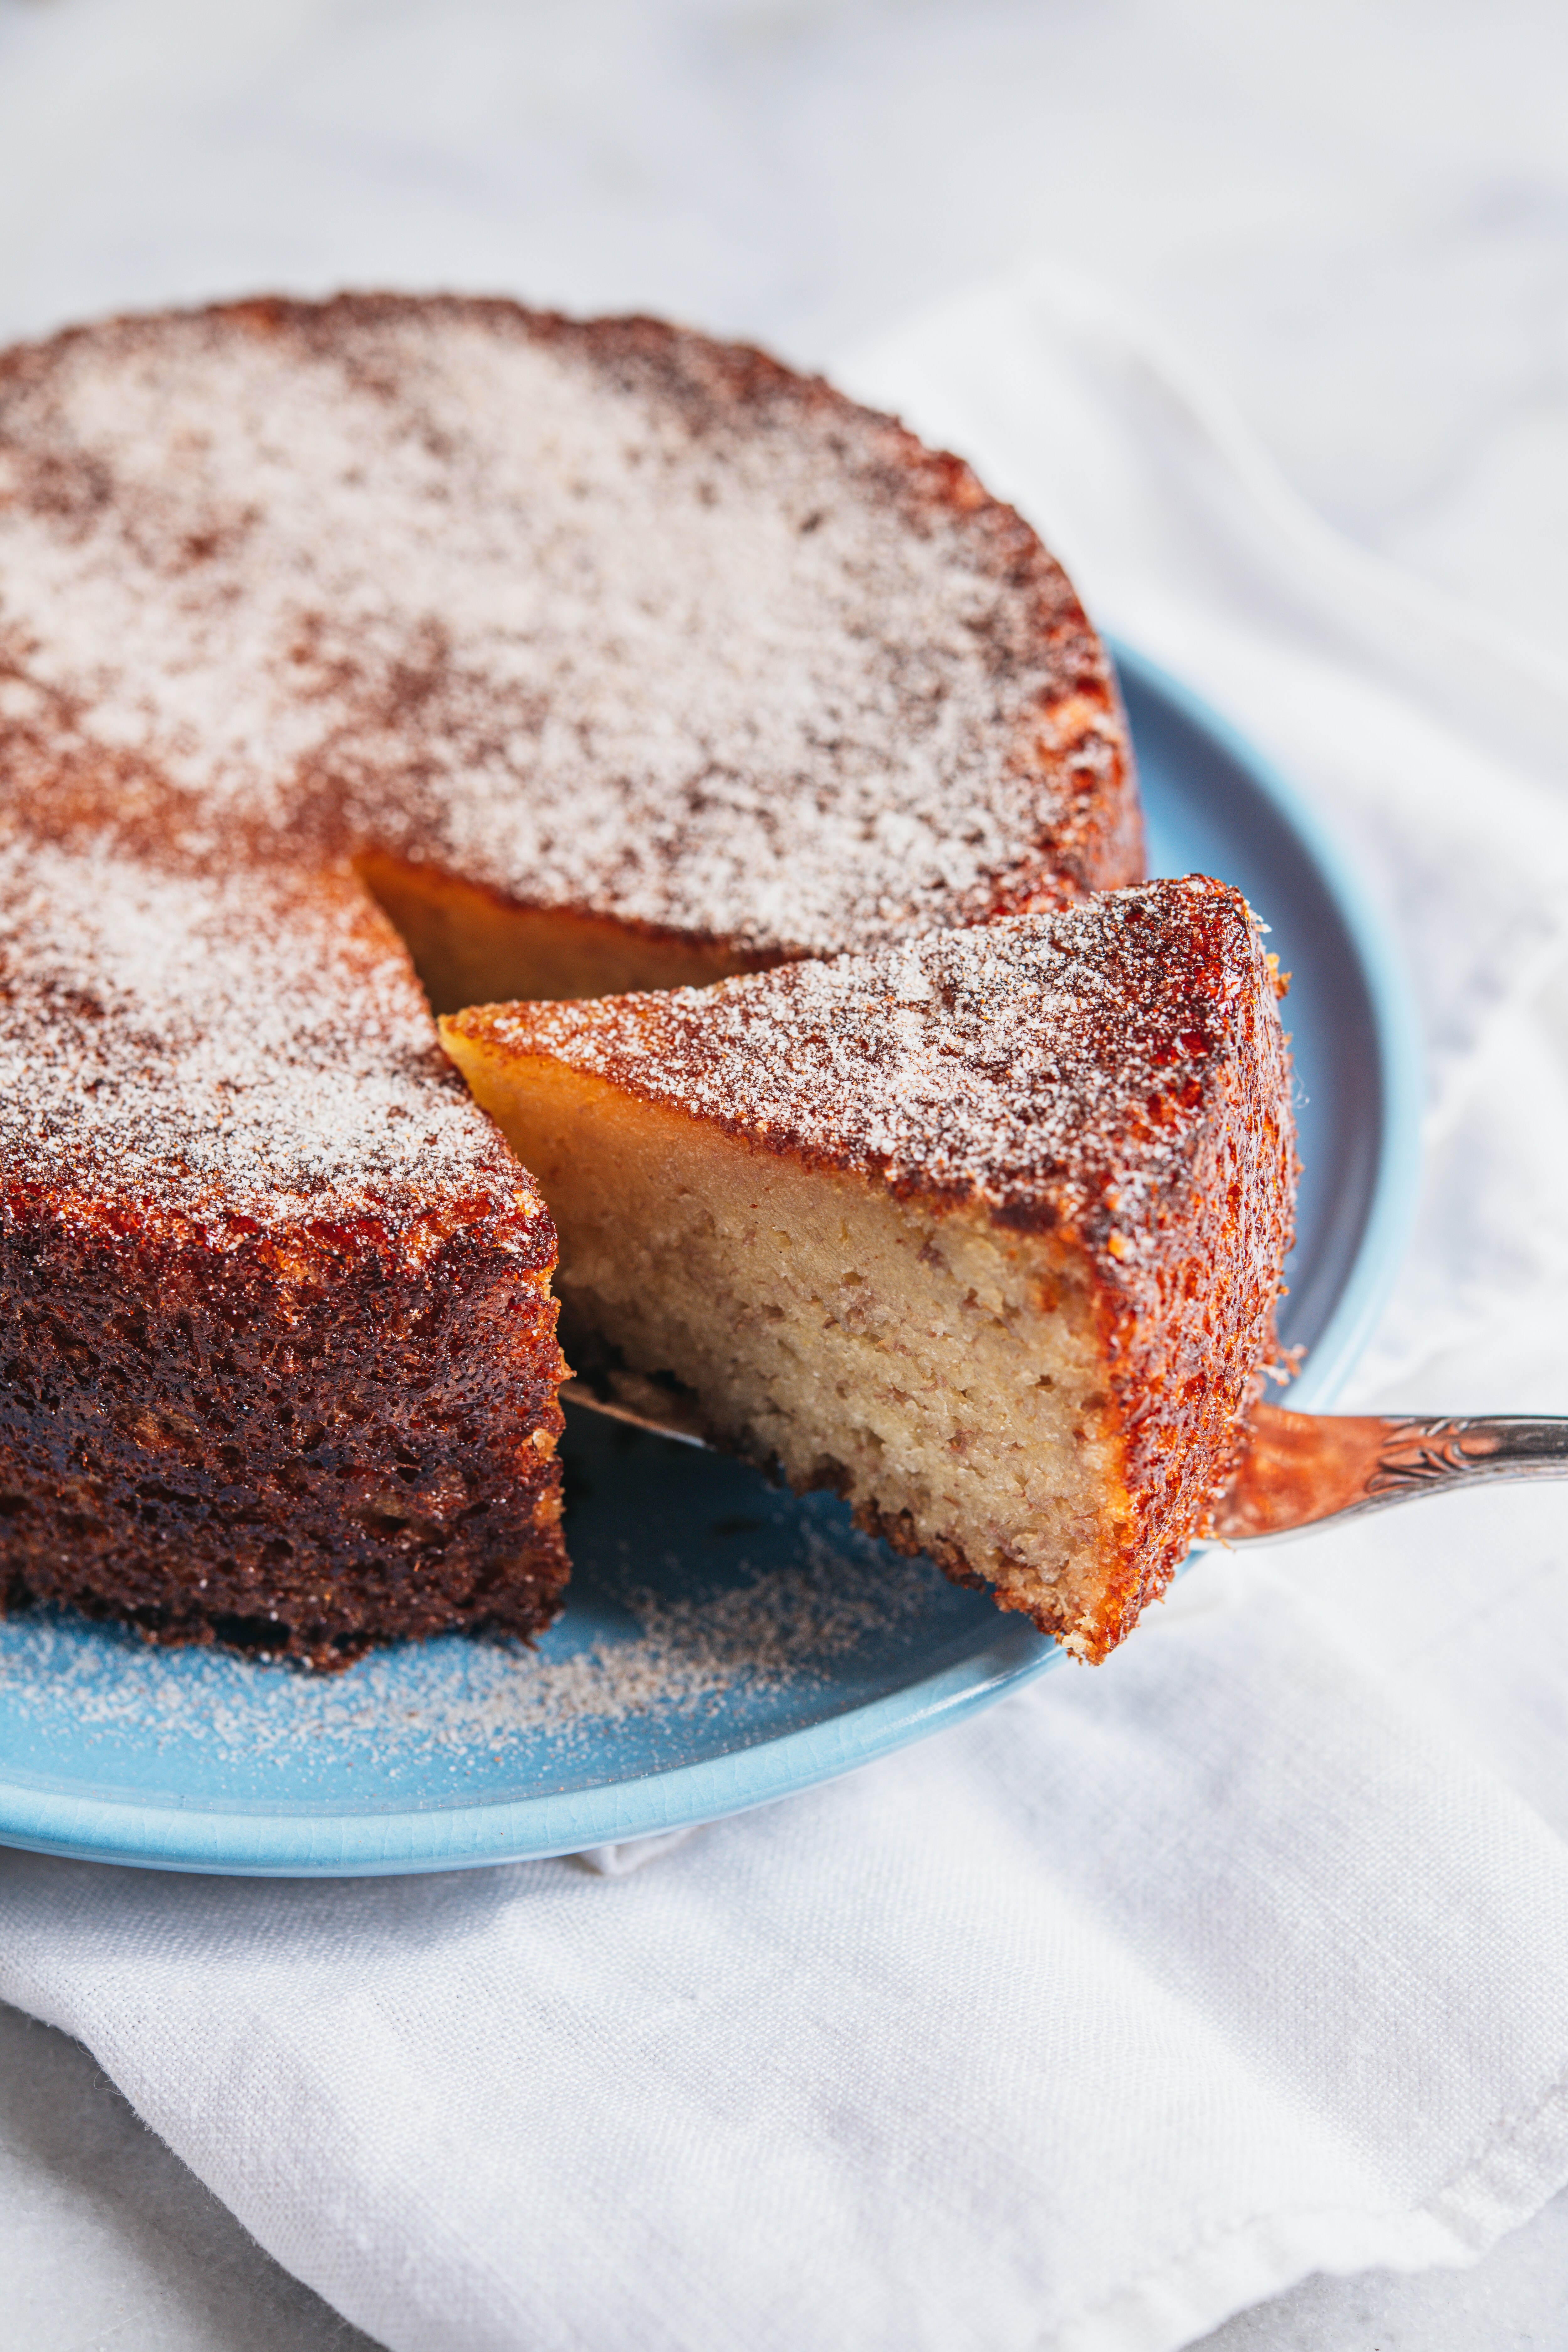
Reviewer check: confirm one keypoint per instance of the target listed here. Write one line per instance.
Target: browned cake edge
(1188, 1300)
(290, 1442)
(1188, 1323)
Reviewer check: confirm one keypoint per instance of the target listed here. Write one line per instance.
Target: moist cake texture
(985, 1231)
(601, 656)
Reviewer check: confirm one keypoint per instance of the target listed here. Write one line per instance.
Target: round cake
(583, 656)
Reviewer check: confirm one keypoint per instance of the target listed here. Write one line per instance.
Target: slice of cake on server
(985, 1231)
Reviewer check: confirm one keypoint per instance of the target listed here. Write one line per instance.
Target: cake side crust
(279, 1362)
(293, 1443)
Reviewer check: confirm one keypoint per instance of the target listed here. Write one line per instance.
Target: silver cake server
(1294, 1470)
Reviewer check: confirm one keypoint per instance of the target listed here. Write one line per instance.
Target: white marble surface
(1354, 214)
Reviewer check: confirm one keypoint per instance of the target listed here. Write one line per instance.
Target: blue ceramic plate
(725, 1645)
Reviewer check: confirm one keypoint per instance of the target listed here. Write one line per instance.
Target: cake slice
(985, 1232)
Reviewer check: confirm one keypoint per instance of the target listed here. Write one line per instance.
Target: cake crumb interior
(943, 1373)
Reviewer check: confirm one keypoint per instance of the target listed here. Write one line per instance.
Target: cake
(390, 652)
(983, 1231)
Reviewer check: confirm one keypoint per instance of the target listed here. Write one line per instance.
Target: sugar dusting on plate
(469, 1699)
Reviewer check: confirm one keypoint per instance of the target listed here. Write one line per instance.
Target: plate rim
(413, 1838)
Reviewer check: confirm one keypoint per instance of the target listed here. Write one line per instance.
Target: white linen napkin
(1093, 2020)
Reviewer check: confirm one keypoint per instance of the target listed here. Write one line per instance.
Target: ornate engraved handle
(1295, 1469)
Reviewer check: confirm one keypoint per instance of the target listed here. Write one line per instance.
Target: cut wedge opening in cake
(984, 1233)
(472, 946)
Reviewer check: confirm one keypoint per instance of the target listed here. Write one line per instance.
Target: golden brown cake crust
(1113, 1076)
(292, 1442)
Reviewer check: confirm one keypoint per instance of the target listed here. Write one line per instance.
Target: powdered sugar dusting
(574, 613)
(252, 1039)
(683, 1655)
(1047, 1065)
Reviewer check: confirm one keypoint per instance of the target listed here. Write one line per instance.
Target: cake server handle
(1296, 1469)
